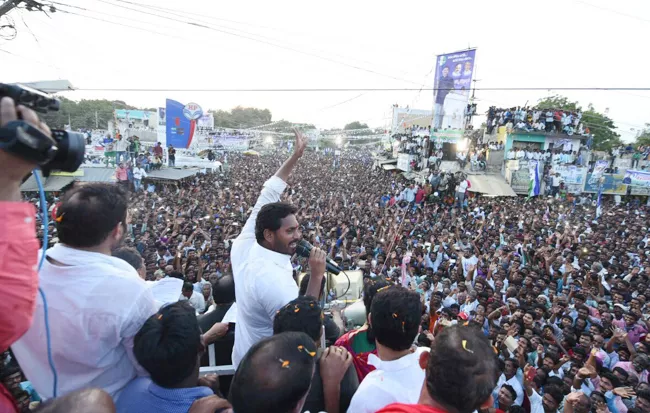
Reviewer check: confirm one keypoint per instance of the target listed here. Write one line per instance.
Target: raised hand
(301, 142)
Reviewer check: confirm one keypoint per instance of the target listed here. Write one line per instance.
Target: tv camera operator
(27, 143)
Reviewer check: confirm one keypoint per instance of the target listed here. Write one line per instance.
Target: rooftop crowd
(535, 119)
(472, 303)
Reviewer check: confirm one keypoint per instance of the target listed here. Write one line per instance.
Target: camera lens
(70, 154)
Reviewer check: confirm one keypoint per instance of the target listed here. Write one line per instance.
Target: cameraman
(96, 302)
(18, 266)
(18, 243)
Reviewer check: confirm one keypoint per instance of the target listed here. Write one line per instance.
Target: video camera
(63, 151)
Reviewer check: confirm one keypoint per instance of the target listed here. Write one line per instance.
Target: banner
(599, 168)
(181, 123)
(637, 178)
(610, 184)
(533, 170)
(231, 142)
(161, 116)
(452, 83)
(206, 121)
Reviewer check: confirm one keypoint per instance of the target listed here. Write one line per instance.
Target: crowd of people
(533, 119)
(472, 303)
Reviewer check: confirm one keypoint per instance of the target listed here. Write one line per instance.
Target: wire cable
(44, 220)
(92, 89)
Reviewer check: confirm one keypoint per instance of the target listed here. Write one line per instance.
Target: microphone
(304, 250)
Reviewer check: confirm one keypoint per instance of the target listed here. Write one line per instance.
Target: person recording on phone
(261, 263)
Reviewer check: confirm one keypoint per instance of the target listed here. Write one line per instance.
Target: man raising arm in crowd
(261, 260)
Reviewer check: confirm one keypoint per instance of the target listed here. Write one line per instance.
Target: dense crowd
(472, 302)
(545, 120)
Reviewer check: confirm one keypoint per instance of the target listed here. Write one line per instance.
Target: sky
(251, 44)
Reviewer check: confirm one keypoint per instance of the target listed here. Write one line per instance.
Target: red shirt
(419, 196)
(17, 274)
(157, 150)
(409, 408)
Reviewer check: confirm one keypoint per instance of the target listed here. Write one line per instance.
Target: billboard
(453, 80)
(611, 184)
(637, 178)
(181, 123)
(206, 121)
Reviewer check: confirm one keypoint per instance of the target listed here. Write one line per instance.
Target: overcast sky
(338, 44)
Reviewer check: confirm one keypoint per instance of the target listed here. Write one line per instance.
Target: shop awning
(490, 185)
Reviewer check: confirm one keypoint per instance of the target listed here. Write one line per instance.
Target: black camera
(63, 151)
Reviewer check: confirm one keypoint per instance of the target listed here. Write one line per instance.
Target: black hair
(223, 291)
(89, 213)
(177, 274)
(644, 394)
(270, 217)
(370, 290)
(621, 371)
(555, 392)
(516, 409)
(511, 390)
(395, 317)
(302, 314)
(187, 286)
(130, 255)
(612, 378)
(274, 375)
(168, 344)
(462, 369)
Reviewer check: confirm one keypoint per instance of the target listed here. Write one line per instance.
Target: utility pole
(8, 5)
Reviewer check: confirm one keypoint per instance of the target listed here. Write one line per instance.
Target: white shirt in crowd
(96, 304)
(263, 279)
(139, 173)
(462, 186)
(196, 300)
(397, 381)
(514, 382)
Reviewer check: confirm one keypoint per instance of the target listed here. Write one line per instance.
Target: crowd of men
(472, 303)
(535, 119)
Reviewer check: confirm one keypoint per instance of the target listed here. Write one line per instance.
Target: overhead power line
(264, 90)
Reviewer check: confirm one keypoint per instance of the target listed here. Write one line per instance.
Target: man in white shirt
(261, 263)
(398, 378)
(138, 174)
(196, 299)
(509, 376)
(96, 303)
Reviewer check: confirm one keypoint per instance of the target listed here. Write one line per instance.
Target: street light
(268, 139)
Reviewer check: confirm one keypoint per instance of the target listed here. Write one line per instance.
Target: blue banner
(452, 83)
(610, 185)
(180, 126)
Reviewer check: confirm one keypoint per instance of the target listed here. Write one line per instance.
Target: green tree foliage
(599, 124)
(82, 114)
(643, 138)
(241, 117)
(355, 125)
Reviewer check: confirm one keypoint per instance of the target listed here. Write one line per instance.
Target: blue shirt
(144, 396)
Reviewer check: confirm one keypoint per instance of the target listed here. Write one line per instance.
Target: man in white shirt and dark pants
(261, 263)
(138, 174)
(96, 303)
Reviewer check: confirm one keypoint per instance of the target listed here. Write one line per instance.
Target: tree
(241, 117)
(86, 114)
(355, 125)
(599, 124)
(643, 138)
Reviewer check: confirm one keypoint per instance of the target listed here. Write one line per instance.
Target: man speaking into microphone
(261, 257)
